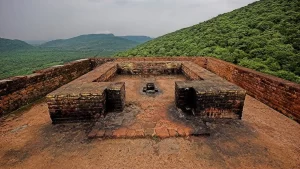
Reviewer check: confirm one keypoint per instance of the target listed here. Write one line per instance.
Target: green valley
(19, 58)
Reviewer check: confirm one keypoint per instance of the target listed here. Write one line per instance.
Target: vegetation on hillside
(10, 45)
(19, 58)
(22, 62)
(264, 36)
(140, 39)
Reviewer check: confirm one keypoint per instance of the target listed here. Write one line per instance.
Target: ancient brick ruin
(85, 102)
(91, 95)
(112, 93)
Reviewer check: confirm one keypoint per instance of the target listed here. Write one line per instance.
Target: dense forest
(19, 58)
(264, 36)
(140, 39)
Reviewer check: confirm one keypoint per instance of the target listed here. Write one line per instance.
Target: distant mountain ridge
(100, 42)
(20, 58)
(10, 45)
(89, 42)
(35, 42)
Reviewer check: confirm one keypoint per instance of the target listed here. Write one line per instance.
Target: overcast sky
(53, 19)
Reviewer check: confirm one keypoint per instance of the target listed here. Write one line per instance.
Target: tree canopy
(264, 36)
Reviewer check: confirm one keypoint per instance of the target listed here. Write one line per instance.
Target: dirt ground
(263, 138)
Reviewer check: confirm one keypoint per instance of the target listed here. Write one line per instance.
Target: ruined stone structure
(87, 97)
(208, 99)
(86, 101)
(91, 79)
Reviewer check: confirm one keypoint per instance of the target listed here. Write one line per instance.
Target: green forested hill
(139, 39)
(9, 45)
(264, 36)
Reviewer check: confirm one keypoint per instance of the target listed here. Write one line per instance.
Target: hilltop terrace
(155, 107)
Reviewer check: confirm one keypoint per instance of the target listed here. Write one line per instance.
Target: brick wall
(88, 97)
(189, 73)
(95, 62)
(108, 74)
(199, 60)
(115, 96)
(281, 95)
(18, 91)
(77, 102)
(149, 67)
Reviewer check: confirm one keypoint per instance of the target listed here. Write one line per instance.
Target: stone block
(210, 99)
(116, 96)
(78, 102)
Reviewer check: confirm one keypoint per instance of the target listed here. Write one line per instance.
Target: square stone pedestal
(77, 102)
(210, 99)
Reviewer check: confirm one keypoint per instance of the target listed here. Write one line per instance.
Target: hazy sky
(52, 19)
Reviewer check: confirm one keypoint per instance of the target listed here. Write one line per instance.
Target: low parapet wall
(281, 95)
(149, 68)
(18, 91)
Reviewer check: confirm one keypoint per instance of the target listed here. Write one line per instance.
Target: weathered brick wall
(184, 96)
(209, 100)
(77, 102)
(149, 67)
(87, 97)
(21, 90)
(95, 62)
(18, 91)
(115, 96)
(218, 99)
(201, 61)
(189, 73)
(198, 60)
(149, 59)
(277, 93)
(107, 75)
(208, 95)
